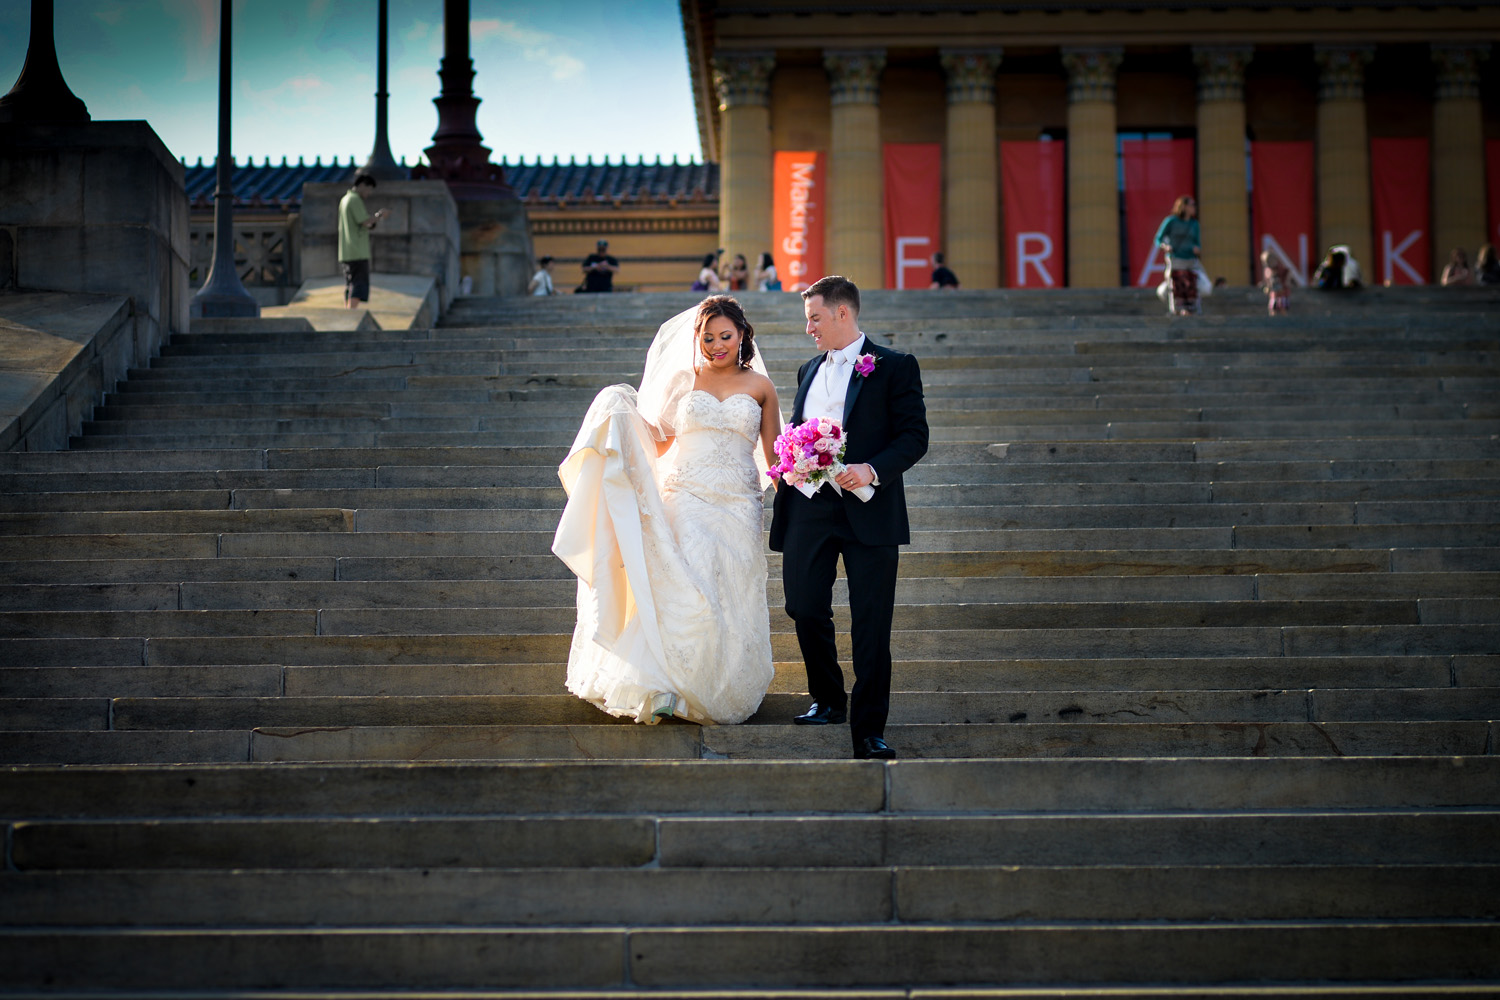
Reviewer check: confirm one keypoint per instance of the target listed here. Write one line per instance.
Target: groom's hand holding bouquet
(812, 454)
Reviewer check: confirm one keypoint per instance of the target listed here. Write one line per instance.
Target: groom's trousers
(817, 533)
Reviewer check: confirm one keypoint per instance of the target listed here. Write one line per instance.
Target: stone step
(960, 411)
(1394, 474)
(751, 896)
(1405, 548)
(1186, 432)
(1236, 837)
(499, 742)
(839, 787)
(711, 957)
(487, 487)
(1042, 616)
(962, 708)
(914, 564)
(912, 589)
(435, 678)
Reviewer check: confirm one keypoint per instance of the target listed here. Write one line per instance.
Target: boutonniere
(864, 365)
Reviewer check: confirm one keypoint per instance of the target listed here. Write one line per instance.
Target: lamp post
(382, 165)
(458, 154)
(41, 94)
(223, 294)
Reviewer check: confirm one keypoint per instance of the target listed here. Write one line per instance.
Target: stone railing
(266, 254)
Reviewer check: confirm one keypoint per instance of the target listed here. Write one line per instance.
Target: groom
(885, 422)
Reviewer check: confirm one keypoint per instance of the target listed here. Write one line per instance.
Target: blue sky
(586, 77)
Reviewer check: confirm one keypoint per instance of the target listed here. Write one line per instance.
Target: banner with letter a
(1031, 196)
(1282, 206)
(1492, 182)
(797, 218)
(1157, 172)
(1399, 190)
(913, 212)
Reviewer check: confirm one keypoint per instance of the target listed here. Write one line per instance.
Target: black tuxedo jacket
(885, 421)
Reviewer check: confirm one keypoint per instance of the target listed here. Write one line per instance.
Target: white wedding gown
(670, 562)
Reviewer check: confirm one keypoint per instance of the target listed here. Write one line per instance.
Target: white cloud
(535, 46)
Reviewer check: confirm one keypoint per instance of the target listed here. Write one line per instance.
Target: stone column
(1344, 152)
(743, 80)
(1223, 208)
(971, 179)
(1458, 188)
(856, 180)
(1093, 173)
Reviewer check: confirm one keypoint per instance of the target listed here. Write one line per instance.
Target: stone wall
(97, 208)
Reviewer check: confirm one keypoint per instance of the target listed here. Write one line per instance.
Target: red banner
(1282, 206)
(913, 212)
(1492, 174)
(1399, 190)
(797, 218)
(1031, 196)
(1157, 173)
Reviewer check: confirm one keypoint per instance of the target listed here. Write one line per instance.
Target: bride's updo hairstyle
(729, 308)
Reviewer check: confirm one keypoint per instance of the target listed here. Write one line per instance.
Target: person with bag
(1179, 239)
(766, 278)
(708, 279)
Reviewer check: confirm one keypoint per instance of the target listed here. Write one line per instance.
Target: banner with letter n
(1399, 190)
(1283, 206)
(913, 212)
(797, 202)
(1492, 182)
(1157, 172)
(1031, 199)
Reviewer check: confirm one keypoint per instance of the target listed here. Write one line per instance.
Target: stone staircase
(1197, 680)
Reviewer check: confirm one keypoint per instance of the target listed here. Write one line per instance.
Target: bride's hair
(728, 307)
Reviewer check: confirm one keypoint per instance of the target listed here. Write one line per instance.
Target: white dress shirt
(826, 395)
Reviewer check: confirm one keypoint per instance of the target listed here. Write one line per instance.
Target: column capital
(1221, 71)
(1341, 71)
(854, 75)
(1091, 72)
(1458, 68)
(971, 74)
(743, 79)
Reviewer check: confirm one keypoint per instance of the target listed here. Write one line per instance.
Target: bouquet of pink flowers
(812, 454)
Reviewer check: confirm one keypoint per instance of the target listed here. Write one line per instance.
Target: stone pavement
(1198, 668)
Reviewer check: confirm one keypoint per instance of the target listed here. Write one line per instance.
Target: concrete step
(1238, 837)
(912, 675)
(722, 788)
(689, 958)
(557, 591)
(501, 742)
(754, 896)
(1327, 703)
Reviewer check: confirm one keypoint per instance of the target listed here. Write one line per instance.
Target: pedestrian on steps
(355, 223)
(1179, 239)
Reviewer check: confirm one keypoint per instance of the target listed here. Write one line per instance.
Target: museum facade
(1040, 144)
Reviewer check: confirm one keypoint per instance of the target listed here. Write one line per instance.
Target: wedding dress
(669, 556)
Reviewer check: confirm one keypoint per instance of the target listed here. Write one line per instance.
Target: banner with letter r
(1031, 199)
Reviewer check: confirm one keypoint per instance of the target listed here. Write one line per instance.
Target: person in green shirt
(355, 223)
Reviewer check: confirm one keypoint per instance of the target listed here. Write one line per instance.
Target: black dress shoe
(873, 748)
(821, 715)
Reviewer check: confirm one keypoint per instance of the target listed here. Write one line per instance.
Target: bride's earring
(742, 353)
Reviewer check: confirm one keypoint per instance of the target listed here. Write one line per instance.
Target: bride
(663, 528)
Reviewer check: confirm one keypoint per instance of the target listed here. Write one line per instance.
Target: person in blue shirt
(1178, 237)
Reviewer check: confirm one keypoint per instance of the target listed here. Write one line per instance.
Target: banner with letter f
(913, 212)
